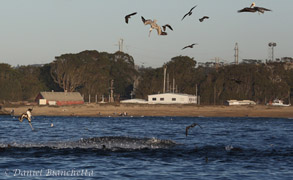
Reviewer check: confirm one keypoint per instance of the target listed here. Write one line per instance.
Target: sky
(36, 31)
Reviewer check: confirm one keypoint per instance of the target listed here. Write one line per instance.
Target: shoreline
(138, 110)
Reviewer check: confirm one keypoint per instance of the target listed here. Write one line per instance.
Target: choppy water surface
(146, 148)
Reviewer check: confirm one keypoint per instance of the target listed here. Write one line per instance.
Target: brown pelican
(28, 116)
(128, 16)
(203, 18)
(189, 46)
(191, 126)
(189, 13)
(167, 25)
(153, 25)
(253, 9)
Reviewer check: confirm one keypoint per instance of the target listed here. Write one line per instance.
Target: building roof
(173, 94)
(62, 96)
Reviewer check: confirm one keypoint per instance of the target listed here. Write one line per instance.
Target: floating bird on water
(189, 13)
(127, 17)
(167, 25)
(203, 18)
(191, 126)
(189, 46)
(253, 9)
(153, 25)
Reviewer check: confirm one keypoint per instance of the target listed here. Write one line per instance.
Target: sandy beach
(104, 110)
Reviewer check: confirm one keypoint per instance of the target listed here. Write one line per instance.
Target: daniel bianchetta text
(49, 172)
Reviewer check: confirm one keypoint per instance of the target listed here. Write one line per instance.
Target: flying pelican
(28, 116)
(203, 18)
(253, 9)
(191, 126)
(190, 46)
(167, 25)
(127, 17)
(189, 13)
(153, 25)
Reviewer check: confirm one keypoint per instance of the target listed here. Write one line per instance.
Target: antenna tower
(236, 53)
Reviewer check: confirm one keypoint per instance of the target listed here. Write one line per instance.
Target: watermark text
(49, 172)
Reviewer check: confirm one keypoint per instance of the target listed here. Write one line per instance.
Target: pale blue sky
(35, 31)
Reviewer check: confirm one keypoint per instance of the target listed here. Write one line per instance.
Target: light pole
(272, 45)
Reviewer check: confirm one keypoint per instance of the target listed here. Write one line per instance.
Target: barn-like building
(59, 98)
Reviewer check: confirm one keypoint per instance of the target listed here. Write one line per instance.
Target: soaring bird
(253, 9)
(153, 25)
(127, 17)
(167, 25)
(203, 18)
(189, 13)
(189, 46)
(191, 126)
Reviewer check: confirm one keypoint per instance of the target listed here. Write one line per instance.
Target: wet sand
(157, 110)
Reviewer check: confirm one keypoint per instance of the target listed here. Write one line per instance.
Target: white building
(172, 98)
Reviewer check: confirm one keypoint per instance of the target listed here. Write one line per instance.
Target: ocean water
(146, 148)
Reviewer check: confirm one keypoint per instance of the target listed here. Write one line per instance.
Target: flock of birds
(162, 30)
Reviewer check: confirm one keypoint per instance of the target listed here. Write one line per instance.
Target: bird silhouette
(189, 46)
(203, 18)
(153, 25)
(167, 25)
(253, 9)
(127, 17)
(189, 13)
(191, 126)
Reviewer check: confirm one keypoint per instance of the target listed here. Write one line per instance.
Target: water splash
(107, 142)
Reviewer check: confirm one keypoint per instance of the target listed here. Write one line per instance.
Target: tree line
(91, 72)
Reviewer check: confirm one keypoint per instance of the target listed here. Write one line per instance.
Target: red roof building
(59, 98)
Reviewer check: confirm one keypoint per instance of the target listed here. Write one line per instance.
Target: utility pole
(168, 90)
(173, 85)
(111, 91)
(236, 55)
(289, 94)
(164, 86)
(120, 43)
(196, 93)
